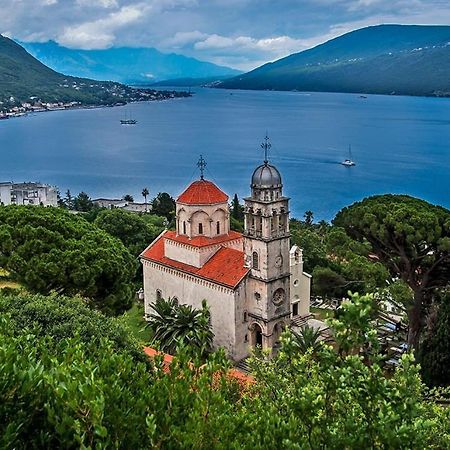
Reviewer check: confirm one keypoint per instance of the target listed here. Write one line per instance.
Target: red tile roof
(225, 267)
(202, 241)
(167, 360)
(202, 192)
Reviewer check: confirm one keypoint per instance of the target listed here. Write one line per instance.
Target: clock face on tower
(278, 297)
(278, 261)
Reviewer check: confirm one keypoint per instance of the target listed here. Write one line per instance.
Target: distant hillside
(126, 65)
(385, 59)
(23, 77)
(189, 82)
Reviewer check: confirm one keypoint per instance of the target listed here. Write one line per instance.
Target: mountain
(383, 59)
(23, 77)
(126, 65)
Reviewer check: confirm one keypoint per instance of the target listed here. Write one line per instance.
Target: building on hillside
(28, 194)
(253, 282)
(112, 203)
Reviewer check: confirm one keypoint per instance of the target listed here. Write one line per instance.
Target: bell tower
(266, 247)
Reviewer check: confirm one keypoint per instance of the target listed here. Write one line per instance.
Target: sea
(399, 145)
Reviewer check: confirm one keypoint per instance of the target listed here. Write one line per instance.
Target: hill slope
(401, 59)
(22, 77)
(126, 65)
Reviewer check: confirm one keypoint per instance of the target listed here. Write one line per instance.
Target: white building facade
(28, 194)
(253, 282)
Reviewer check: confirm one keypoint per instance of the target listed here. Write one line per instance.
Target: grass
(6, 282)
(135, 322)
(322, 313)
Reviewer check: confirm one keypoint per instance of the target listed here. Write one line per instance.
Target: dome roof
(202, 192)
(266, 176)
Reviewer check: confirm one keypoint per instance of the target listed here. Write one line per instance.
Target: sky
(238, 33)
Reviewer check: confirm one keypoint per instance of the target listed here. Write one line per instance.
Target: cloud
(240, 33)
(100, 33)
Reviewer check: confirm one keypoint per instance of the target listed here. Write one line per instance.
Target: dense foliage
(412, 239)
(63, 317)
(434, 353)
(51, 250)
(174, 324)
(136, 231)
(71, 395)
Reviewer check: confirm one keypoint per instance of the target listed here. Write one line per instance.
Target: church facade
(253, 282)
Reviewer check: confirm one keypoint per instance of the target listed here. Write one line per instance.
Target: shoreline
(69, 107)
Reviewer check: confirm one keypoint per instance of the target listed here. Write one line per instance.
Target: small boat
(348, 162)
(128, 122)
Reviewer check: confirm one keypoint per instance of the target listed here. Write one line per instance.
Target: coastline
(19, 112)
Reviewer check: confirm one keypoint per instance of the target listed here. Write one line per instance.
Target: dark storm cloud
(241, 33)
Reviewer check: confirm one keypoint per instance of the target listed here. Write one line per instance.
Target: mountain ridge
(23, 79)
(124, 64)
(383, 59)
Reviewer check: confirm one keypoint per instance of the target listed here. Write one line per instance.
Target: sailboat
(349, 162)
(128, 120)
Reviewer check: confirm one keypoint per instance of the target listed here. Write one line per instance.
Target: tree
(309, 217)
(412, 238)
(237, 211)
(68, 200)
(82, 202)
(51, 250)
(434, 354)
(135, 231)
(128, 198)
(306, 339)
(62, 317)
(173, 325)
(335, 400)
(164, 205)
(145, 194)
(328, 283)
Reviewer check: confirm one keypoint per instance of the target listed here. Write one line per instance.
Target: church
(253, 282)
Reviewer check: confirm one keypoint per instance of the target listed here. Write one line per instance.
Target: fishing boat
(349, 162)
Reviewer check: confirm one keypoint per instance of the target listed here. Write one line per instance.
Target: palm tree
(145, 194)
(309, 217)
(173, 325)
(308, 337)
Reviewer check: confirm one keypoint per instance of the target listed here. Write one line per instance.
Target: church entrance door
(257, 336)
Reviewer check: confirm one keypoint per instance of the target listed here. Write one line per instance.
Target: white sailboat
(349, 162)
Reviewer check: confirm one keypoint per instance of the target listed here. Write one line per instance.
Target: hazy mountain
(127, 65)
(384, 59)
(22, 76)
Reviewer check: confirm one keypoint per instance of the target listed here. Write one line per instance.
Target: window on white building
(200, 228)
(255, 260)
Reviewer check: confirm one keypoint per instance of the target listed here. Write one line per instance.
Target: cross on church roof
(201, 165)
(266, 146)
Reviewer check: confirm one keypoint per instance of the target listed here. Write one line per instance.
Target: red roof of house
(225, 267)
(167, 360)
(202, 192)
(202, 241)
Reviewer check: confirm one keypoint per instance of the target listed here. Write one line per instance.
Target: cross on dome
(266, 146)
(201, 165)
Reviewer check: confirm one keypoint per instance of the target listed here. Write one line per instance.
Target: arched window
(184, 227)
(255, 260)
(158, 294)
(218, 227)
(200, 228)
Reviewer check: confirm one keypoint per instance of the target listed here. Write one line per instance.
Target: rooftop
(202, 192)
(202, 241)
(225, 267)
